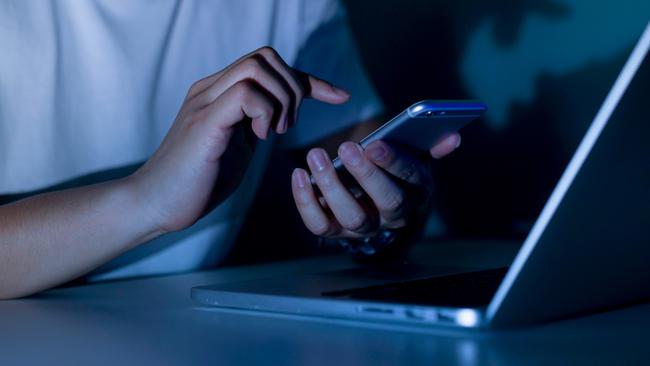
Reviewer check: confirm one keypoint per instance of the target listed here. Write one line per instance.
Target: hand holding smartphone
(361, 199)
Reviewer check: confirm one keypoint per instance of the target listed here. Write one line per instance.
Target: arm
(54, 237)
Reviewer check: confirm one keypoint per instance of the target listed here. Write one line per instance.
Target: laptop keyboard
(469, 289)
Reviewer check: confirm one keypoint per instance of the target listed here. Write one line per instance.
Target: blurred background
(542, 66)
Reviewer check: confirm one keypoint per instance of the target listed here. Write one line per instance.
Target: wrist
(393, 244)
(136, 209)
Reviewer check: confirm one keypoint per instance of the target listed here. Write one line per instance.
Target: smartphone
(422, 125)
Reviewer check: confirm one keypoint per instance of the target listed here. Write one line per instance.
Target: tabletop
(154, 321)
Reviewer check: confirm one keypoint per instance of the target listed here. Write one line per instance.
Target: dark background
(497, 182)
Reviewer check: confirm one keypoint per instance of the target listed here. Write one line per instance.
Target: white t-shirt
(88, 86)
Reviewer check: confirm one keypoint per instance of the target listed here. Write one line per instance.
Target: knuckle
(196, 86)
(324, 180)
(356, 222)
(390, 158)
(268, 51)
(251, 66)
(366, 171)
(394, 203)
(243, 89)
(320, 229)
(266, 112)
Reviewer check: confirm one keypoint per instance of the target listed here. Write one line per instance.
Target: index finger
(321, 90)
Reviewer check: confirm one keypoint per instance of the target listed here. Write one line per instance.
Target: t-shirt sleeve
(330, 52)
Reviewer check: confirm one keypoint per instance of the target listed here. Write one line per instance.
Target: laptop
(589, 249)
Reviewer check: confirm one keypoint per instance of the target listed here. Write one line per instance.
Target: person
(89, 90)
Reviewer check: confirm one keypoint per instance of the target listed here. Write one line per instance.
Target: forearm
(54, 237)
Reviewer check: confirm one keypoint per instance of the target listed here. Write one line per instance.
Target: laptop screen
(593, 231)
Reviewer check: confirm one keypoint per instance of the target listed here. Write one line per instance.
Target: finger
(258, 70)
(322, 90)
(242, 100)
(386, 195)
(346, 209)
(307, 84)
(397, 163)
(311, 212)
(445, 146)
(302, 84)
(289, 75)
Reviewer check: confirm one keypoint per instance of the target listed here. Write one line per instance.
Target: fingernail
(350, 153)
(318, 160)
(340, 91)
(299, 178)
(455, 141)
(377, 152)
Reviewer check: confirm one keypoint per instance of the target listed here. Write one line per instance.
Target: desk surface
(153, 321)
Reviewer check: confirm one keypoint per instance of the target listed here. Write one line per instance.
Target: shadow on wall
(498, 181)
